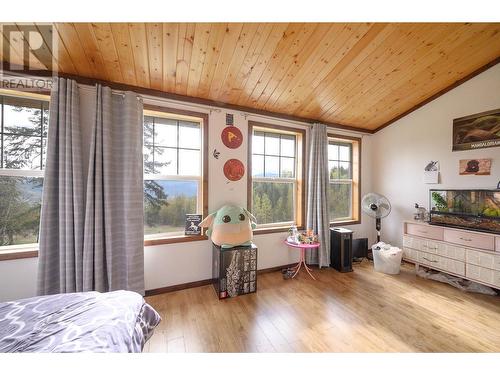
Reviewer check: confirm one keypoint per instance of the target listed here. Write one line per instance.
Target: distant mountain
(175, 188)
(31, 188)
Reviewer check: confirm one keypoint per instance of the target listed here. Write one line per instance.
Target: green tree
(154, 195)
(272, 202)
(19, 210)
(266, 209)
(339, 198)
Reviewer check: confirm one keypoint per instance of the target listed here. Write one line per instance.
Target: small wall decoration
(192, 221)
(480, 130)
(231, 137)
(229, 119)
(475, 166)
(431, 172)
(234, 169)
(216, 153)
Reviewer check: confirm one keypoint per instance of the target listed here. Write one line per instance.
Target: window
(275, 195)
(23, 131)
(343, 170)
(174, 172)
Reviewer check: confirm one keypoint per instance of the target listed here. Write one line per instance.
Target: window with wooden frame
(175, 172)
(276, 176)
(344, 170)
(24, 120)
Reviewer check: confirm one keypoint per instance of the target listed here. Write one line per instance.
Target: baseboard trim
(274, 269)
(195, 284)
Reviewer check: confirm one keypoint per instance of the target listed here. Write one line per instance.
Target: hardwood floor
(361, 311)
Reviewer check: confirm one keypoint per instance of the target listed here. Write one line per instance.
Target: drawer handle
(430, 248)
(465, 239)
(421, 231)
(432, 261)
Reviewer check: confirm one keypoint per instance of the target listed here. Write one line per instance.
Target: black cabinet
(234, 270)
(341, 249)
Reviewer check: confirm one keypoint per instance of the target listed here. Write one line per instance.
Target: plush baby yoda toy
(230, 226)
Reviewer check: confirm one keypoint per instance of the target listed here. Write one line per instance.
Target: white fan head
(376, 205)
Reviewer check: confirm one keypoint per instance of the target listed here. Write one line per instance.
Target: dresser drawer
(433, 247)
(445, 264)
(425, 231)
(407, 241)
(482, 259)
(469, 239)
(414, 243)
(482, 274)
(444, 249)
(455, 252)
(410, 254)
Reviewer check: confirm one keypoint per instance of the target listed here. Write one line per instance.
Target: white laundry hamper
(387, 259)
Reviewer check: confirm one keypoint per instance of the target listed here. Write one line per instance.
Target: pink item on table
(303, 247)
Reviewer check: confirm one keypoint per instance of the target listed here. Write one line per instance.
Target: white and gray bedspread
(118, 321)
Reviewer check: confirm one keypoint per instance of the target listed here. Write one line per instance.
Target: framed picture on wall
(475, 166)
(192, 228)
(480, 130)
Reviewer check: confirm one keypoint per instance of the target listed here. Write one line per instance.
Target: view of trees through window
(22, 149)
(340, 172)
(172, 168)
(273, 202)
(273, 177)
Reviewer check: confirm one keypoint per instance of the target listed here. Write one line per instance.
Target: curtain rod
(113, 91)
(249, 114)
(155, 98)
(179, 102)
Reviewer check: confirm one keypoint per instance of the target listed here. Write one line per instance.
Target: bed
(119, 321)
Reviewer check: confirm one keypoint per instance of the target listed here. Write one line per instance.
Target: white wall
(401, 151)
(18, 278)
(173, 264)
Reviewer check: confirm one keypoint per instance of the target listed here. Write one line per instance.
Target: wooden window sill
(274, 230)
(33, 251)
(19, 254)
(346, 222)
(164, 241)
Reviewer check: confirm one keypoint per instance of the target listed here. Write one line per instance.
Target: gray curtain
(317, 195)
(62, 221)
(113, 252)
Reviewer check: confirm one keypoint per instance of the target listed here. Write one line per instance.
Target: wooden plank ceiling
(357, 74)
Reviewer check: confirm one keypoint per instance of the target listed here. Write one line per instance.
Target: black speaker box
(360, 248)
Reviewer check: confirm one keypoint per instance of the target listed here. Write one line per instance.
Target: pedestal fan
(377, 206)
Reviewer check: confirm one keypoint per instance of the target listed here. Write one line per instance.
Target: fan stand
(378, 226)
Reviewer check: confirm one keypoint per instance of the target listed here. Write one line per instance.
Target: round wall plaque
(234, 169)
(231, 137)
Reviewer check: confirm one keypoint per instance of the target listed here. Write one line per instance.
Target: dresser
(468, 254)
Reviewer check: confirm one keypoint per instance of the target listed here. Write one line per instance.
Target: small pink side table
(303, 247)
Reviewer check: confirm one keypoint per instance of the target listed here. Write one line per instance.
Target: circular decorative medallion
(234, 169)
(231, 137)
